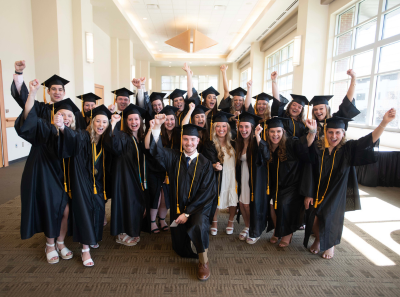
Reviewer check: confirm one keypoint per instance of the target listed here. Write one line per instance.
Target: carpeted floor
(238, 269)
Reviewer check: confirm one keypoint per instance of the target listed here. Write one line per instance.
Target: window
(282, 62)
(245, 76)
(367, 39)
(200, 83)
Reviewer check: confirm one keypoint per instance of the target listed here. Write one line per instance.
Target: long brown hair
(164, 133)
(301, 115)
(321, 142)
(229, 149)
(127, 130)
(240, 145)
(233, 110)
(215, 109)
(281, 146)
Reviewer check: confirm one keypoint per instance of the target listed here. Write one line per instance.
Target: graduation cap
(200, 109)
(263, 96)
(194, 94)
(169, 110)
(157, 96)
(124, 92)
(249, 118)
(102, 109)
(54, 80)
(238, 92)
(207, 92)
(131, 109)
(317, 100)
(222, 117)
(276, 122)
(67, 104)
(337, 123)
(88, 97)
(176, 93)
(191, 130)
(300, 99)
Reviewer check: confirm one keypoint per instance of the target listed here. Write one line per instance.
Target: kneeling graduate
(192, 190)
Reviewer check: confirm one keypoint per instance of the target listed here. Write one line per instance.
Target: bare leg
(86, 255)
(64, 229)
(245, 210)
(162, 211)
(105, 218)
(215, 220)
(315, 246)
(232, 213)
(50, 248)
(273, 239)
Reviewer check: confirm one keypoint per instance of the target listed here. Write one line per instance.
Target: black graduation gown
(259, 205)
(290, 202)
(88, 208)
(292, 127)
(128, 201)
(330, 212)
(43, 196)
(198, 205)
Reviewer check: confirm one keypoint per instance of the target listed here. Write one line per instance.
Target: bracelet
(382, 126)
(19, 73)
(312, 131)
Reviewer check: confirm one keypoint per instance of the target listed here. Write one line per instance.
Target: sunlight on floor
(366, 249)
(374, 210)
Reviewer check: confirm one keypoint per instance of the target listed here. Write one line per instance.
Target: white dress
(228, 196)
(245, 189)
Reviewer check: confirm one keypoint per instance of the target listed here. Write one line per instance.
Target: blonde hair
(301, 115)
(321, 142)
(229, 148)
(328, 112)
(267, 113)
(94, 138)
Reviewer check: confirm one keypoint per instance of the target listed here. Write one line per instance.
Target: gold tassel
(83, 113)
(44, 93)
(104, 173)
(251, 175)
(177, 209)
(201, 98)
(115, 97)
(326, 142)
(52, 115)
(122, 121)
(65, 180)
(181, 137)
(294, 127)
(166, 178)
(265, 128)
(255, 109)
(211, 132)
(268, 179)
(91, 114)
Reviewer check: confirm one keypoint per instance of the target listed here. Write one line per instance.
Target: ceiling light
(169, 65)
(169, 62)
(152, 6)
(219, 7)
(145, 18)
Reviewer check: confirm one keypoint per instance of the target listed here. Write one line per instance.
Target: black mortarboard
(200, 109)
(65, 104)
(194, 94)
(157, 96)
(89, 97)
(169, 110)
(263, 96)
(190, 100)
(131, 109)
(176, 93)
(222, 117)
(337, 123)
(300, 99)
(317, 100)
(55, 80)
(209, 91)
(283, 99)
(276, 122)
(122, 92)
(249, 118)
(238, 92)
(192, 130)
(102, 109)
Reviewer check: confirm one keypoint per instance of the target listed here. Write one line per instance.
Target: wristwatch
(187, 215)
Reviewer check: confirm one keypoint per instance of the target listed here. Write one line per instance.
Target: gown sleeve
(263, 153)
(300, 148)
(165, 156)
(210, 152)
(225, 103)
(20, 97)
(347, 109)
(113, 141)
(277, 108)
(362, 151)
(73, 142)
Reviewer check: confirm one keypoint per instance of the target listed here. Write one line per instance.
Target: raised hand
(311, 125)
(152, 124)
(223, 68)
(186, 68)
(389, 116)
(217, 166)
(34, 86)
(159, 119)
(58, 120)
(19, 66)
(258, 129)
(136, 82)
(115, 118)
(111, 108)
(192, 106)
(249, 84)
(274, 75)
(142, 81)
(351, 73)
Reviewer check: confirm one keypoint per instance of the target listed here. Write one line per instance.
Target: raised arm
(247, 102)
(115, 118)
(33, 88)
(148, 135)
(389, 116)
(186, 119)
(352, 87)
(189, 74)
(257, 133)
(312, 130)
(275, 90)
(223, 69)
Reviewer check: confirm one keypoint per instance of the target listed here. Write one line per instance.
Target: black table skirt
(384, 173)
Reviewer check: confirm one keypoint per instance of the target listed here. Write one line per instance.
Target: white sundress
(228, 196)
(245, 189)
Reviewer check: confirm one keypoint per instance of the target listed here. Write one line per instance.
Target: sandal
(130, 242)
(273, 239)
(95, 246)
(251, 240)
(64, 252)
(51, 254)
(165, 228)
(229, 230)
(86, 262)
(284, 244)
(214, 231)
(243, 235)
(156, 230)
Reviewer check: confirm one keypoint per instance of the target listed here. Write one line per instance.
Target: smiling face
(295, 109)
(122, 102)
(68, 117)
(133, 121)
(189, 144)
(169, 122)
(157, 106)
(87, 106)
(262, 106)
(179, 103)
(320, 112)
(200, 120)
(245, 129)
(221, 129)
(334, 136)
(100, 124)
(210, 101)
(275, 135)
(238, 102)
(56, 92)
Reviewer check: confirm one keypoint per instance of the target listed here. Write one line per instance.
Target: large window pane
(341, 68)
(391, 3)
(365, 34)
(343, 43)
(346, 20)
(284, 54)
(367, 9)
(362, 63)
(282, 83)
(391, 25)
(361, 97)
(290, 50)
(387, 96)
(283, 68)
(290, 66)
(389, 57)
(289, 81)
(339, 91)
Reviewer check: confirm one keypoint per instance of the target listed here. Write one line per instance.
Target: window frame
(375, 47)
(215, 76)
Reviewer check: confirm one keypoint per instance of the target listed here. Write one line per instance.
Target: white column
(257, 67)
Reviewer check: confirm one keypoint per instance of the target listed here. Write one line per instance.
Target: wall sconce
(150, 84)
(297, 50)
(230, 84)
(89, 47)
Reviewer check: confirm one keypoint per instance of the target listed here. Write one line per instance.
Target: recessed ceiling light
(169, 65)
(160, 50)
(169, 62)
(190, 62)
(152, 6)
(219, 7)
(145, 18)
(249, 3)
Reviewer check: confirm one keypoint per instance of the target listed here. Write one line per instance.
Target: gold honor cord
(211, 126)
(320, 173)
(268, 179)
(138, 159)
(52, 115)
(255, 109)
(219, 179)
(95, 156)
(177, 183)
(83, 113)
(69, 180)
(265, 128)
(104, 174)
(65, 179)
(294, 127)
(251, 176)
(277, 184)
(44, 93)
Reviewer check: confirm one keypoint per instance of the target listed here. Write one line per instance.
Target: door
(99, 91)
